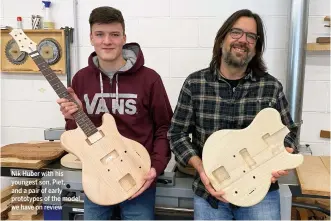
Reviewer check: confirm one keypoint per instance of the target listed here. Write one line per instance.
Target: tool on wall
(36, 21)
(13, 53)
(50, 50)
(53, 45)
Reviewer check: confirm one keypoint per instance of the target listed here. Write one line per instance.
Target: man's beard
(232, 60)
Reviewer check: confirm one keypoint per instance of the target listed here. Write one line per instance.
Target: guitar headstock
(24, 42)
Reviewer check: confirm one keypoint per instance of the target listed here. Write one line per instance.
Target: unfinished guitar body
(240, 162)
(113, 166)
(71, 161)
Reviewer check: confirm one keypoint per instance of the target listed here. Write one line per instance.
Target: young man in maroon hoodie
(117, 82)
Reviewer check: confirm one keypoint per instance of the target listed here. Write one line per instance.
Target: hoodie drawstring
(117, 104)
(101, 88)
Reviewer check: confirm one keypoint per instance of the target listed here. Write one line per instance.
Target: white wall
(177, 38)
(316, 98)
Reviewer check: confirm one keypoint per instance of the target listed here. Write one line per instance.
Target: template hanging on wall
(50, 44)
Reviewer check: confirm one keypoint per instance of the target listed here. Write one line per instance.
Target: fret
(58, 88)
(49, 77)
(63, 94)
(84, 127)
(79, 114)
(54, 81)
(80, 117)
(83, 124)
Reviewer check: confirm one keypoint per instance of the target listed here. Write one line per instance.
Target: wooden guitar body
(240, 162)
(71, 161)
(113, 167)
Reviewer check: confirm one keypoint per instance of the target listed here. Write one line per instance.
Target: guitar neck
(80, 117)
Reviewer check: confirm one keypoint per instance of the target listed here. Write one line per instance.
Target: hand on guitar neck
(196, 162)
(68, 107)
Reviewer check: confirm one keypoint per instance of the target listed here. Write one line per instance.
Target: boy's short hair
(106, 15)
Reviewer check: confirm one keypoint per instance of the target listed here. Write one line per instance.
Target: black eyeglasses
(237, 33)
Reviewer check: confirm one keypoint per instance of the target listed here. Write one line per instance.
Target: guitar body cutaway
(113, 166)
(240, 162)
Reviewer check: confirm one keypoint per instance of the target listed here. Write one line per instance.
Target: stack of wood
(314, 179)
(32, 155)
(6, 202)
(13, 209)
(310, 214)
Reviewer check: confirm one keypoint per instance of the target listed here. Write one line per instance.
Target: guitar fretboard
(80, 117)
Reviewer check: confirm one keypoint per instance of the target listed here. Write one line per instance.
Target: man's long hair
(256, 64)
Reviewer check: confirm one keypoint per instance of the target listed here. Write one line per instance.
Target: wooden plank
(318, 47)
(303, 213)
(6, 193)
(325, 134)
(33, 151)
(314, 176)
(323, 40)
(39, 216)
(5, 208)
(19, 163)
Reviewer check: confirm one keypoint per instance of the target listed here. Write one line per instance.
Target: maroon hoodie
(144, 111)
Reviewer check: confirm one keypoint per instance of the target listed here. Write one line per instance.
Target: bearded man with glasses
(228, 95)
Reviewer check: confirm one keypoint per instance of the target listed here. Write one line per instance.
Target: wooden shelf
(318, 47)
(19, 71)
(29, 66)
(27, 31)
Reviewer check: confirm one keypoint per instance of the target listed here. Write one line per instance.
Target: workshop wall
(28, 103)
(176, 37)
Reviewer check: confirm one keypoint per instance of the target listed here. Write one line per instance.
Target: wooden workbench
(314, 175)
